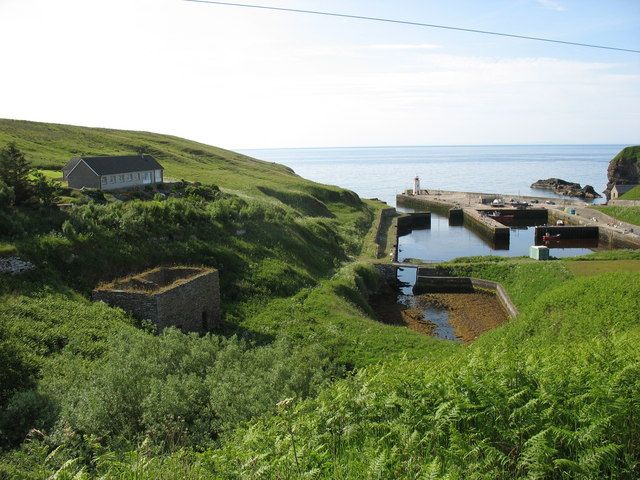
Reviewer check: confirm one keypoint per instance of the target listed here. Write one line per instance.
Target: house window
(112, 179)
(129, 177)
(158, 175)
(104, 180)
(121, 178)
(138, 176)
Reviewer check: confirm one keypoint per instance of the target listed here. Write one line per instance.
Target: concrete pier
(612, 233)
(495, 232)
(456, 217)
(413, 221)
(609, 236)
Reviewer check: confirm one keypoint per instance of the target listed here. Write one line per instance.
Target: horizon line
(447, 145)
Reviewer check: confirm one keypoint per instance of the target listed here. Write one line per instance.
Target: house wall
(83, 176)
(130, 180)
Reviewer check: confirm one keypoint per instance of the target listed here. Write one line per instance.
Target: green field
(300, 380)
(583, 269)
(625, 214)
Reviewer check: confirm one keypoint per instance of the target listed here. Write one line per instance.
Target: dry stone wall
(184, 297)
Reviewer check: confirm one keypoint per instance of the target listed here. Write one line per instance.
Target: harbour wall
(405, 223)
(384, 228)
(493, 231)
(607, 236)
(567, 232)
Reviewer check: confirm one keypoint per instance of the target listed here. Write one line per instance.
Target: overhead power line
(417, 24)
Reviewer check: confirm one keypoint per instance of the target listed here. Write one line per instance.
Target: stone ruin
(15, 265)
(184, 297)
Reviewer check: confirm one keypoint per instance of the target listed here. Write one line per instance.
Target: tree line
(20, 183)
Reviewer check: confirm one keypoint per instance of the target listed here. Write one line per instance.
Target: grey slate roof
(122, 164)
(623, 188)
(70, 164)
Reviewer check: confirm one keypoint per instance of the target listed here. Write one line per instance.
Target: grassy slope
(633, 194)
(626, 214)
(50, 146)
(552, 394)
(296, 235)
(280, 252)
(549, 394)
(583, 269)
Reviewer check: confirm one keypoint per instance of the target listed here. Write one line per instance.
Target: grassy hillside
(551, 394)
(50, 146)
(300, 380)
(626, 214)
(633, 194)
(292, 312)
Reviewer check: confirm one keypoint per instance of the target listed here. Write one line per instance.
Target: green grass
(336, 314)
(626, 214)
(301, 380)
(552, 394)
(50, 146)
(583, 268)
(633, 194)
(52, 174)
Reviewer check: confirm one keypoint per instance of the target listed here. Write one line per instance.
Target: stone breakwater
(15, 265)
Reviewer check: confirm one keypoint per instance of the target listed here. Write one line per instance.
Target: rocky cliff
(624, 168)
(570, 189)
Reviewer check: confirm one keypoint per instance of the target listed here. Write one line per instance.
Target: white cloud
(552, 5)
(233, 79)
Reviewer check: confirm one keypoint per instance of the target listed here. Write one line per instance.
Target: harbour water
(382, 172)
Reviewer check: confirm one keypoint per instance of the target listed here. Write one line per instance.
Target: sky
(246, 78)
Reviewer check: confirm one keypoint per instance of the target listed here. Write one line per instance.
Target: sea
(383, 172)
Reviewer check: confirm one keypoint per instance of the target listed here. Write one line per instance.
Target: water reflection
(444, 241)
(436, 314)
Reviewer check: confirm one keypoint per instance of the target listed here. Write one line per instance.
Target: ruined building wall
(193, 306)
(138, 304)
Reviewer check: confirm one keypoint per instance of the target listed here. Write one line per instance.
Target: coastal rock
(624, 168)
(563, 187)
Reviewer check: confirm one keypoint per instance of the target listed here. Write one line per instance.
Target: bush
(7, 195)
(177, 390)
(25, 411)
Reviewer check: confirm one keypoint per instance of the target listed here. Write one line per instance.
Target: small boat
(500, 215)
(548, 237)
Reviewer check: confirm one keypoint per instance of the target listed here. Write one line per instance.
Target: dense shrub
(7, 195)
(182, 390)
(556, 395)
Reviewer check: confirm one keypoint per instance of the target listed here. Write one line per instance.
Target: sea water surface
(383, 172)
